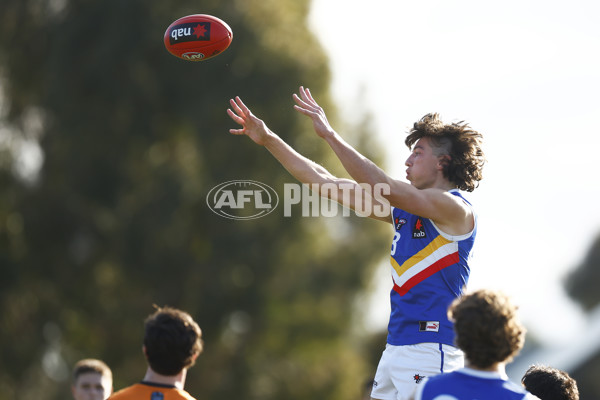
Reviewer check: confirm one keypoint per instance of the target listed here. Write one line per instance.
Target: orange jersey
(151, 391)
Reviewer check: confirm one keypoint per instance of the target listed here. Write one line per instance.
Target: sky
(524, 73)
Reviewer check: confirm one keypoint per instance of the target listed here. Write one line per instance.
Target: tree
(115, 220)
(581, 284)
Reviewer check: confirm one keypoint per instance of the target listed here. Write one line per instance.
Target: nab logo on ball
(190, 32)
(242, 199)
(197, 37)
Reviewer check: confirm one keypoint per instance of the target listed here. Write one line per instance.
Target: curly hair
(172, 341)
(549, 383)
(456, 140)
(487, 328)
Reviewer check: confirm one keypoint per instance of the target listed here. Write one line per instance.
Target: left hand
(253, 127)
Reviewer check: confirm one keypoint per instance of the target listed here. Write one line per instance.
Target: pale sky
(526, 74)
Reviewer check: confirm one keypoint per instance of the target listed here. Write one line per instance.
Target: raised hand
(306, 104)
(253, 127)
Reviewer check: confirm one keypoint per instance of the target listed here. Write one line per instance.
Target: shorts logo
(419, 230)
(418, 378)
(429, 326)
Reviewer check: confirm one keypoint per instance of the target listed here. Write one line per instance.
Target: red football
(197, 37)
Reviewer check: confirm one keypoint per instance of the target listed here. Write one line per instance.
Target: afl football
(197, 37)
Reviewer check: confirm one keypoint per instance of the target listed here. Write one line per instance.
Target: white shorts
(401, 368)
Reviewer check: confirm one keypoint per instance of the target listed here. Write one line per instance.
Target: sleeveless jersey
(151, 391)
(429, 270)
(470, 384)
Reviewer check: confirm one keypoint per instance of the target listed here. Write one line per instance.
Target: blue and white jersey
(470, 384)
(429, 270)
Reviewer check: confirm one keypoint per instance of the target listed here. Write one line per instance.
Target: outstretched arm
(345, 191)
(358, 166)
(450, 213)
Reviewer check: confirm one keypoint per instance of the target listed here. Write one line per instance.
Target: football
(197, 37)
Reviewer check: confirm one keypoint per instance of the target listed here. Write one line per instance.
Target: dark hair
(459, 142)
(172, 340)
(549, 383)
(91, 365)
(487, 328)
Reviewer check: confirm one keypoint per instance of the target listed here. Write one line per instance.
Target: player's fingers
(301, 102)
(299, 109)
(236, 107)
(235, 117)
(236, 131)
(244, 108)
(305, 111)
(303, 94)
(297, 98)
(308, 99)
(309, 96)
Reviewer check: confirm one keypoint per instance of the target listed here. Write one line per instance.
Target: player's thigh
(402, 368)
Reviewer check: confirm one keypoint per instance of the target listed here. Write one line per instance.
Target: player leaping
(434, 230)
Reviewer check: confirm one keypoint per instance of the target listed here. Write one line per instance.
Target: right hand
(252, 126)
(306, 104)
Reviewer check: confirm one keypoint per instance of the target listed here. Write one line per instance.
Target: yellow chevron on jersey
(438, 254)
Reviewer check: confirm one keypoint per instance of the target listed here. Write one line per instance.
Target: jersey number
(395, 242)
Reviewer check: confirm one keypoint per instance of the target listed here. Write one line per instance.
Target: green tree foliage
(115, 221)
